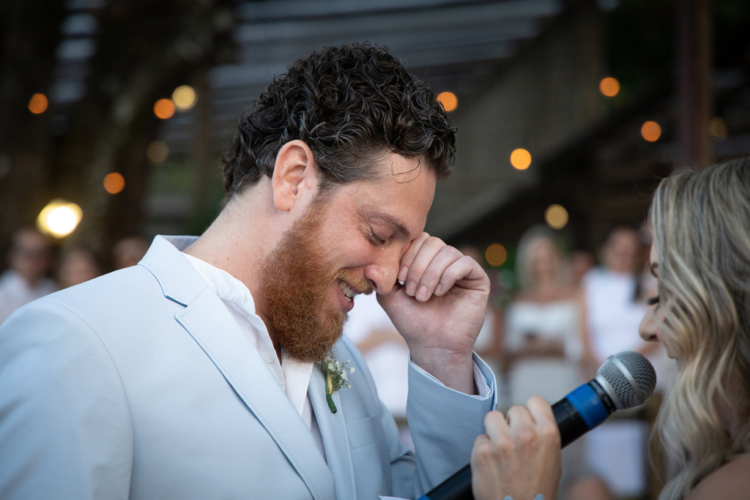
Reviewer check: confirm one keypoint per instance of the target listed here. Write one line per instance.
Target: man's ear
(295, 175)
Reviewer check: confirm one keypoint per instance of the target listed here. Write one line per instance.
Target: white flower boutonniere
(336, 378)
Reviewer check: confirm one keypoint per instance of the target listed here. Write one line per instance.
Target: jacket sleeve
(65, 429)
(444, 424)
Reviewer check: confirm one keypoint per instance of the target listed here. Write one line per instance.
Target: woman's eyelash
(653, 301)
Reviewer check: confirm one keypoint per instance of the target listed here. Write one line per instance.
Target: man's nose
(382, 274)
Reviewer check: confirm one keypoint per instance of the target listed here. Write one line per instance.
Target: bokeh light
(520, 159)
(448, 100)
(164, 109)
(114, 183)
(651, 131)
(59, 218)
(184, 97)
(157, 151)
(718, 127)
(556, 216)
(495, 255)
(38, 104)
(609, 86)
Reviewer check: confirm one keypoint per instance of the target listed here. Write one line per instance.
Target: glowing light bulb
(520, 159)
(448, 100)
(184, 97)
(114, 183)
(495, 255)
(59, 218)
(609, 86)
(164, 109)
(556, 216)
(651, 131)
(38, 104)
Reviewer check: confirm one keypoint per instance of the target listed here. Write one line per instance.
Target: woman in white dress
(542, 337)
(543, 347)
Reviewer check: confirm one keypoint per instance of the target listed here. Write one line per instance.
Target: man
(30, 259)
(197, 374)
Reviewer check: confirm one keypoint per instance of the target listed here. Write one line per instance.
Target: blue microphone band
(589, 406)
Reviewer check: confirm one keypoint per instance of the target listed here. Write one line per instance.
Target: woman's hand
(519, 457)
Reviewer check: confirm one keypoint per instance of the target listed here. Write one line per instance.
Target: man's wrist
(455, 371)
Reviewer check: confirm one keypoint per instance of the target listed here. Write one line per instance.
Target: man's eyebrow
(396, 226)
(653, 268)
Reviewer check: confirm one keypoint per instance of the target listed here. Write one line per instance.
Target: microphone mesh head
(634, 386)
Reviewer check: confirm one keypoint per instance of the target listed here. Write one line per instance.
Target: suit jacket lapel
(334, 433)
(212, 326)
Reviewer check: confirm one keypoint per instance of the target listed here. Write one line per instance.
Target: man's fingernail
(439, 289)
(422, 294)
(401, 283)
(411, 287)
(402, 274)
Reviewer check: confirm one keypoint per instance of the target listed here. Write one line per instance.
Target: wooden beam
(694, 81)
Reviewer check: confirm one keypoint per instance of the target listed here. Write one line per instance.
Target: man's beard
(298, 281)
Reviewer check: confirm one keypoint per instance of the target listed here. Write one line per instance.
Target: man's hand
(518, 458)
(440, 309)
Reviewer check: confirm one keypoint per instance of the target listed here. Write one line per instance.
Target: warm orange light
(38, 104)
(651, 131)
(520, 159)
(718, 127)
(495, 255)
(164, 108)
(114, 183)
(609, 86)
(448, 100)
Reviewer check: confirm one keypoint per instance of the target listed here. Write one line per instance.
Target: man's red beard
(298, 280)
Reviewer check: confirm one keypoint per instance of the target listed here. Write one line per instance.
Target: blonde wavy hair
(701, 226)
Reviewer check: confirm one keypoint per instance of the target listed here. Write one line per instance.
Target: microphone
(625, 380)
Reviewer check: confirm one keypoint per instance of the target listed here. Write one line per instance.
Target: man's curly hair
(349, 104)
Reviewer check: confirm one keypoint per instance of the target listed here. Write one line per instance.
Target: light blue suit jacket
(141, 385)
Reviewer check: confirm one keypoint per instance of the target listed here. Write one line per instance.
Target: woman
(542, 336)
(701, 256)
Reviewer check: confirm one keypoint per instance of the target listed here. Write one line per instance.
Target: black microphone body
(580, 411)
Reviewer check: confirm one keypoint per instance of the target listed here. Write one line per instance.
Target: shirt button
(268, 357)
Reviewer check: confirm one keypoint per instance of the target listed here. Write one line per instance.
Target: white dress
(551, 378)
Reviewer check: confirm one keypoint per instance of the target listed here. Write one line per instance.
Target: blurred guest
(77, 266)
(543, 324)
(615, 305)
(581, 262)
(543, 339)
(30, 260)
(129, 251)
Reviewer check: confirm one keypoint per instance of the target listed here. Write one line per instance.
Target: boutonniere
(336, 378)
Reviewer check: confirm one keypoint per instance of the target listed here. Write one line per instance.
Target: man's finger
(427, 252)
(433, 275)
(544, 418)
(464, 268)
(496, 426)
(408, 258)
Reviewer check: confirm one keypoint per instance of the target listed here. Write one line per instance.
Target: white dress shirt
(292, 375)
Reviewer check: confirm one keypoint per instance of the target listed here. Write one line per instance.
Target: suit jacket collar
(212, 326)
